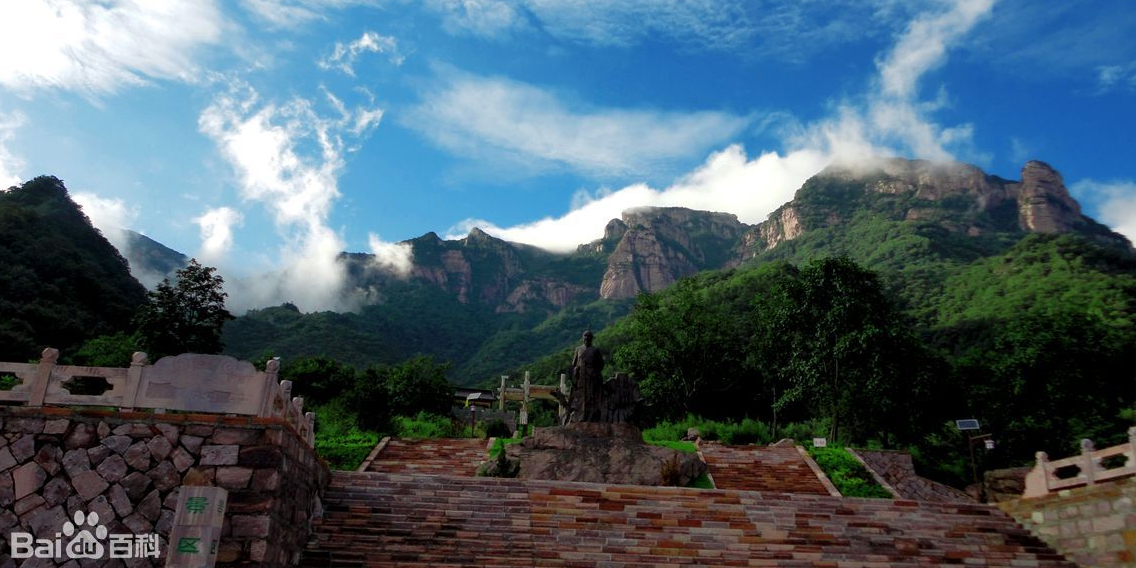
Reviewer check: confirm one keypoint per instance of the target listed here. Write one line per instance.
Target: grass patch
(426, 425)
(347, 451)
(678, 445)
(747, 431)
(8, 382)
(499, 445)
(703, 482)
(849, 476)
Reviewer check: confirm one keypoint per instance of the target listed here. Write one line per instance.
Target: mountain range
(489, 306)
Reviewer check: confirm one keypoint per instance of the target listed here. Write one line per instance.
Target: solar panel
(968, 424)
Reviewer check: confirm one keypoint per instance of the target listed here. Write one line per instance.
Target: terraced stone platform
(402, 520)
(439, 456)
(761, 468)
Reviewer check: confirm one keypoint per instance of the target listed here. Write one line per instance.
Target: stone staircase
(440, 456)
(395, 519)
(761, 468)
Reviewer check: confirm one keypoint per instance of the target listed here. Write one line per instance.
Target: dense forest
(1036, 343)
(62, 282)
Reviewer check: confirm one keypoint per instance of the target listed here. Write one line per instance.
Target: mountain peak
(959, 197)
(1044, 202)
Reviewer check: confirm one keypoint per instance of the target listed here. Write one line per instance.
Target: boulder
(602, 453)
(1005, 484)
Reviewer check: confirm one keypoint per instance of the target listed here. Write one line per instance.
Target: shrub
(849, 476)
(499, 446)
(346, 452)
(804, 432)
(497, 429)
(425, 425)
(748, 431)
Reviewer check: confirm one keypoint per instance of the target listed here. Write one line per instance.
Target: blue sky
(264, 136)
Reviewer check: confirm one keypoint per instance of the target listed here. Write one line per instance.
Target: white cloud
(1111, 77)
(396, 257)
(924, 45)
(216, 226)
(113, 217)
(109, 215)
(1115, 202)
(887, 120)
(1020, 152)
(295, 13)
(508, 121)
(891, 118)
(96, 47)
(10, 164)
(728, 181)
(486, 18)
(790, 30)
(344, 55)
(268, 145)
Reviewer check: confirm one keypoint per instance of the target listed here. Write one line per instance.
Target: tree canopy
(185, 316)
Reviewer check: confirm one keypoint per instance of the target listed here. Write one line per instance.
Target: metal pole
(974, 468)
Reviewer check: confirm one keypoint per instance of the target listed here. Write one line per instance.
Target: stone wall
(128, 467)
(1092, 526)
(897, 472)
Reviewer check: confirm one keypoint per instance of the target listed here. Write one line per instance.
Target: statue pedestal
(602, 453)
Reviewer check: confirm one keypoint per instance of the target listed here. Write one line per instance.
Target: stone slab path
(443, 456)
(760, 468)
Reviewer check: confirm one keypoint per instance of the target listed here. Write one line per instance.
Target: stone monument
(597, 442)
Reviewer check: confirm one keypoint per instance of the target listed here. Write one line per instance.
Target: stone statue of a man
(586, 401)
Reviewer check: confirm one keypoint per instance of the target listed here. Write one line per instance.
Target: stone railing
(1043, 479)
(186, 383)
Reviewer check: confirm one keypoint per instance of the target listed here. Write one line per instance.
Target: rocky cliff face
(958, 197)
(1044, 204)
(657, 246)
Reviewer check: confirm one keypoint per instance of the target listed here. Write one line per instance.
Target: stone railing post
(501, 394)
(563, 390)
(310, 424)
(43, 376)
(1037, 480)
(1131, 453)
(1089, 467)
(525, 402)
(268, 393)
(138, 364)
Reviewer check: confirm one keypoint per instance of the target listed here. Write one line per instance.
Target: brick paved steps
(444, 456)
(381, 520)
(760, 468)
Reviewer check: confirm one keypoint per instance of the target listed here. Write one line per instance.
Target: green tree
(107, 351)
(417, 385)
(319, 379)
(687, 349)
(185, 316)
(1044, 382)
(845, 352)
